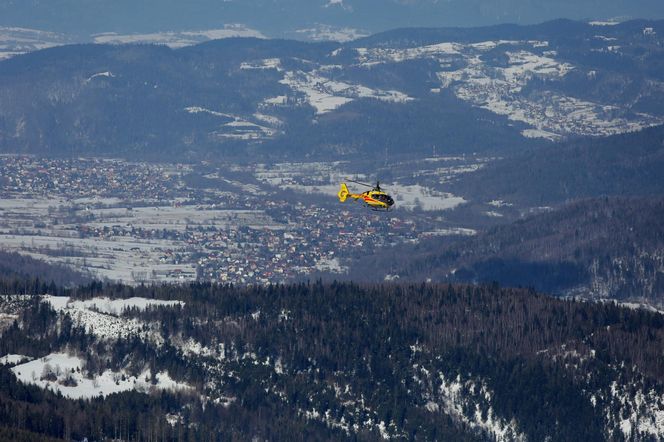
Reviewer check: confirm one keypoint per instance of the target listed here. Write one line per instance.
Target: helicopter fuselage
(375, 199)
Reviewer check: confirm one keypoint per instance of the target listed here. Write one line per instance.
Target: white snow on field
(202, 110)
(269, 119)
(550, 114)
(537, 133)
(276, 101)
(13, 359)
(440, 51)
(327, 177)
(641, 306)
(417, 196)
(499, 203)
(237, 128)
(111, 306)
(97, 316)
(603, 38)
(330, 265)
(16, 41)
(268, 63)
(451, 232)
(178, 39)
(330, 33)
(604, 23)
(60, 372)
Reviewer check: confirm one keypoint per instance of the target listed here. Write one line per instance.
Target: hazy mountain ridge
(284, 97)
(621, 165)
(287, 16)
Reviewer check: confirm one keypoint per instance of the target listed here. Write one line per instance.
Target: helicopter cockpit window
(384, 199)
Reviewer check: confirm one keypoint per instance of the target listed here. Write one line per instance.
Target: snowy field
(36, 227)
(107, 306)
(178, 39)
(16, 41)
(66, 374)
(325, 177)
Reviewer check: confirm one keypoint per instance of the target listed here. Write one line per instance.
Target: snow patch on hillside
(639, 413)
(538, 133)
(118, 306)
(453, 401)
(12, 359)
(237, 127)
(501, 89)
(416, 196)
(268, 63)
(330, 33)
(106, 74)
(16, 41)
(466, 401)
(63, 373)
(98, 316)
(326, 95)
(178, 39)
(604, 23)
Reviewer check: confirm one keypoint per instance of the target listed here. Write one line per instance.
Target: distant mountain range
(494, 89)
(279, 18)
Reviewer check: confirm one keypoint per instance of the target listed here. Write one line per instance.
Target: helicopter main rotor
(376, 187)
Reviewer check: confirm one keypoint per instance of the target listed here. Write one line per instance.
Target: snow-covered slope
(101, 316)
(66, 374)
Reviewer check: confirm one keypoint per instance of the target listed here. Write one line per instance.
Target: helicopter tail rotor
(343, 192)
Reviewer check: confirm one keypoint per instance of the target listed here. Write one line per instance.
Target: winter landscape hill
(314, 361)
(491, 89)
(608, 248)
(171, 244)
(621, 165)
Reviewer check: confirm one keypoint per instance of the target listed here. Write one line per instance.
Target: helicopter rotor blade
(362, 184)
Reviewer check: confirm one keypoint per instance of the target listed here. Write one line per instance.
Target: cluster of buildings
(243, 237)
(89, 177)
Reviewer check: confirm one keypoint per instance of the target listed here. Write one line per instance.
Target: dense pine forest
(596, 248)
(15, 265)
(333, 361)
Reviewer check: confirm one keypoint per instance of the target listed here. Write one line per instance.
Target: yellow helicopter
(375, 198)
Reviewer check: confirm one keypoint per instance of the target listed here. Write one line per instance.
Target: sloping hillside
(622, 165)
(601, 248)
(426, 362)
(497, 90)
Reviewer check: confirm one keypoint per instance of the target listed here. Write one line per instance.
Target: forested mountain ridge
(426, 362)
(14, 265)
(598, 248)
(620, 165)
(493, 89)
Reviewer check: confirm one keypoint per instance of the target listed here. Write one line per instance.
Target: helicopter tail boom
(343, 192)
